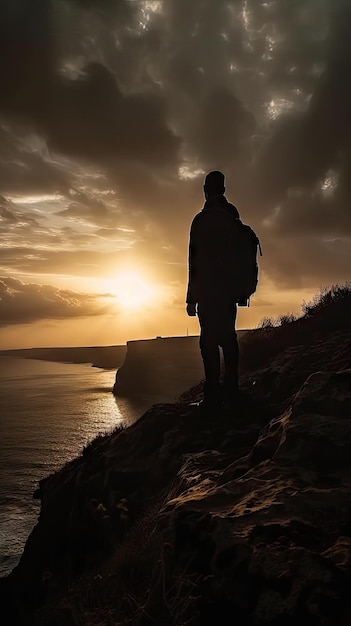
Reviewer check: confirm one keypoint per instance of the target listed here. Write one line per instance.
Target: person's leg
(229, 343)
(209, 351)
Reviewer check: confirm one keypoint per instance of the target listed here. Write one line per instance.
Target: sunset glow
(131, 290)
(109, 123)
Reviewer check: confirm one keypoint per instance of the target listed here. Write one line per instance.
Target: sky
(111, 114)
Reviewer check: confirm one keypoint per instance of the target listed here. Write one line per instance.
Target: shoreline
(212, 507)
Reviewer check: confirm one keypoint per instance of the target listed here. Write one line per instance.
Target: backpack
(240, 261)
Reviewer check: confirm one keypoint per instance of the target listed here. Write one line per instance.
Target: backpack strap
(258, 243)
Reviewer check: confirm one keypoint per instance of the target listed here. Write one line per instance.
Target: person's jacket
(210, 234)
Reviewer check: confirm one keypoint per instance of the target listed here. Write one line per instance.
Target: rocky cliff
(156, 367)
(184, 519)
(152, 366)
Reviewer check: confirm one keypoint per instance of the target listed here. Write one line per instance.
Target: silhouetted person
(209, 294)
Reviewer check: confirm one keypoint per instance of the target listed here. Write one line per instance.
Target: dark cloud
(225, 131)
(26, 57)
(24, 168)
(325, 261)
(143, 90)
(319, 212)
(93, 119)
(303, 146)
(21, 303)
(87, 116)
(117, 7)
(88, 207)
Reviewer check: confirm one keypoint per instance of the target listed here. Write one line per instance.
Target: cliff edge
(153, 366)
(186, 519)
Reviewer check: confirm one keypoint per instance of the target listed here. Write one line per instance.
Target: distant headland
(108, 357)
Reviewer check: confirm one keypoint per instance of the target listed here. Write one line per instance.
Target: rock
(240, 517)
(176, 362)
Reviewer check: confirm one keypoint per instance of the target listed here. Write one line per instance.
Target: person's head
(214, 184)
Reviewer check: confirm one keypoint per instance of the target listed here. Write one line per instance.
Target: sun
(131, 290)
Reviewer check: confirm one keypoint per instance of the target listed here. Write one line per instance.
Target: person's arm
(191, 296)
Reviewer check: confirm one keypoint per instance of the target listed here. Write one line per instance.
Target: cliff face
(183, 518)
(152, 366)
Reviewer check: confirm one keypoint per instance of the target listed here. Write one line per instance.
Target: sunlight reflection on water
(49, 412)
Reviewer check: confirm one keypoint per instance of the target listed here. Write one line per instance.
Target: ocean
(48, 413)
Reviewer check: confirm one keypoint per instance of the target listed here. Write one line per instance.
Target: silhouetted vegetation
(331, 306)
(329, 310)
(273, 322)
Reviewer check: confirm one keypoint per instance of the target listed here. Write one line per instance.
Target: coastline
(241, 508)
(105, 357)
